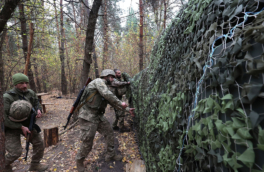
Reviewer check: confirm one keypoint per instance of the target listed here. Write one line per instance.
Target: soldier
(91, 117)
(120, 86)
(17, 106)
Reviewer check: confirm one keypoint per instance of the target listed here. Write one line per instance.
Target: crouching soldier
(18, 103)
(91, 117)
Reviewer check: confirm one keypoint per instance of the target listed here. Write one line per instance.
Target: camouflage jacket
(118, 87)
(95, 113)
(14, 95)
(118, 82)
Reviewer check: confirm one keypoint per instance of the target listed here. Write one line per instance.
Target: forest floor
(61, 157)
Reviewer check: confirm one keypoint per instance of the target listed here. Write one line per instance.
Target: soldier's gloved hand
(131, 111)
(25, 130)
(39, 114)
(124, 105)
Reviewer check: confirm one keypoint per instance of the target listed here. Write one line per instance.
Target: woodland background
(62, 35)
(64, 41)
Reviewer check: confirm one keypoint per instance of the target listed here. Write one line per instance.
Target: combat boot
(79, 164)
(113, 158)
(36, 166)
(8, 168)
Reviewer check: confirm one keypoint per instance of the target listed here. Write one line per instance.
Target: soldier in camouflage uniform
(17, 106)
(120, 89)
(91, 117)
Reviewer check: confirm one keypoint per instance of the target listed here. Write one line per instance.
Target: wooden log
(51, 136)
(136, 166)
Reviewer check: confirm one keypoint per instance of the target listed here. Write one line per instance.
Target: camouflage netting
(200, 103)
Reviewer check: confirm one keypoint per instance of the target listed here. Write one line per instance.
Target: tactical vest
(97, 101)
(121, 91)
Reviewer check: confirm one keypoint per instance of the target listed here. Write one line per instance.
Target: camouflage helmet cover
(19, 110)
(107, 72)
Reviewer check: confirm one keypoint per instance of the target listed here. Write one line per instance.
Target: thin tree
(25, 45)
(63, 77)
(165, 15)
(105, 33)
(96, 71)
(90, 39)
(37, 75)
(141, 36)
(2, 131)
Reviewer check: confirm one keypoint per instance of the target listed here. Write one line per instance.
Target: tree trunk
(44, 76)
(165, 11)
(43, 66)
(86, 12)
(96, 71)
(63, 77)
(2, 128)
(74, 79)
(31, 33)
(105, 50)
(141, 36)
(89, 40)
(7, 12)
(57, 24)
(68, 63)
(25, 45)
(36, 75)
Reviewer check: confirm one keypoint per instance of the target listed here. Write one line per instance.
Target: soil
(61, 157)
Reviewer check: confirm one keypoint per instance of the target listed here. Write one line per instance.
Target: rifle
(77, 101)
(31, 125)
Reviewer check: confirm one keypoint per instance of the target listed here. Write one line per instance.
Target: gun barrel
(75, 104)
(27, 147)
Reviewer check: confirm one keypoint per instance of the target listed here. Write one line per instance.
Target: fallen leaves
(61, 157)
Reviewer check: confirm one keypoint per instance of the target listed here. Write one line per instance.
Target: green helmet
(19, 110)
(107, 72)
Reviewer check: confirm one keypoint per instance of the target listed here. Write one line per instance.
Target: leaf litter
(61, 157)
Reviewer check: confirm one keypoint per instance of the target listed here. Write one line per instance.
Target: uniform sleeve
(117, 83)
(8, 122)
(108, 95)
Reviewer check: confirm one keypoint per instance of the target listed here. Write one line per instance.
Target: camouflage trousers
(119, 116)
(14, 148)
(88, 130)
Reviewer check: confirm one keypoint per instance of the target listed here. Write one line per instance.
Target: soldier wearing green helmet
(91, 117)
(17, 107)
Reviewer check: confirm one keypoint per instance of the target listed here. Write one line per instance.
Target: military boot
(79, 164)
(8, 168)
(113, 158)
(36, 166)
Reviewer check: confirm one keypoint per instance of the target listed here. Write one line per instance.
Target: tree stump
(136, 166)
(51, 136)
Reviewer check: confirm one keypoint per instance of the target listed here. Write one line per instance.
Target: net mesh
(199, 104)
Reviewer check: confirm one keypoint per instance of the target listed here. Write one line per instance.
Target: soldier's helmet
(19, 110)
(107, 72)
